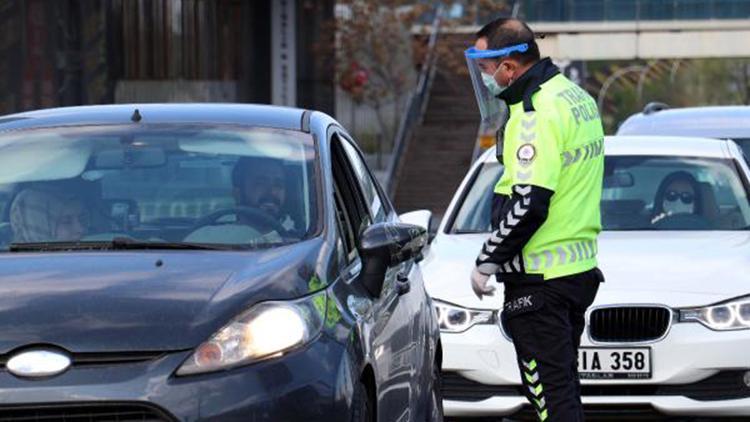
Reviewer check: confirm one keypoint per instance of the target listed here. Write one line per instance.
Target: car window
(6, 192)
(347, 239)
(250, 187)
(744, 144)
(474, 216)
(673, 193)
(640, 193)
(184, 187)
(349, 197)
(366, 182)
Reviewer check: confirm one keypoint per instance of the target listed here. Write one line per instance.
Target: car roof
(675, 146)
(211, 113)
(714, 121)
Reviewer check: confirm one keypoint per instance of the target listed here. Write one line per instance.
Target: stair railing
(416, 105)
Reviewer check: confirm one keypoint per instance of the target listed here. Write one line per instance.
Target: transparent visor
(493, 111)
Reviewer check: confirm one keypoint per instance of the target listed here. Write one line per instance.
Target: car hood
(672, 268)
(141, 300)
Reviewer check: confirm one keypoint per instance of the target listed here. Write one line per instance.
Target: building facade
(73, 52)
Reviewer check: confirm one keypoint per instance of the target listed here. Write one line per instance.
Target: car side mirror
(422, 218)
(383, 245)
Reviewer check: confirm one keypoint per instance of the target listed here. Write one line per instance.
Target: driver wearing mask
(260, 183)
(678, 194)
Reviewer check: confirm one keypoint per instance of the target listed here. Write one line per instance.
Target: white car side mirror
(422, 218)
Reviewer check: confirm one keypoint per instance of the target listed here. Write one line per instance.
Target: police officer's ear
(511, 67)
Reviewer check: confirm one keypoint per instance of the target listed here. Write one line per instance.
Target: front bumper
(304, 385)
(688, 366)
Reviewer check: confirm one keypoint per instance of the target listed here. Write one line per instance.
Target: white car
(669, 332)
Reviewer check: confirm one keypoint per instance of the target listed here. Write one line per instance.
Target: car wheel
(363, 404)
(435, 412)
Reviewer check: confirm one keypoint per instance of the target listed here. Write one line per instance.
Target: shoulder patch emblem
(526, 154)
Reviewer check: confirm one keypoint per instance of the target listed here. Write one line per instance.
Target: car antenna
(136, 117)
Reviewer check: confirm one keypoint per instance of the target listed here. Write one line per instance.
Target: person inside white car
(678, 194)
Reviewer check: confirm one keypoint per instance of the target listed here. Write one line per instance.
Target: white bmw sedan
(669, 332)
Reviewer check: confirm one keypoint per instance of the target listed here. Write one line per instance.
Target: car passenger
(37, 215)
(678, 193)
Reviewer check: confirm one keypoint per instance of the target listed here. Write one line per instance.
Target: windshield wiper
(125, 243)
(118, 243)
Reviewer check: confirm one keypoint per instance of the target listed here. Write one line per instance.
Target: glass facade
(628, 10)
(478, 13)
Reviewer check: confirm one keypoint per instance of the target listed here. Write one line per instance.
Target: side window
(354, 215)
(347, 237)
(6, 193)
(369, 188)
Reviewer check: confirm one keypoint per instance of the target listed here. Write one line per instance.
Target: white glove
(480, 284)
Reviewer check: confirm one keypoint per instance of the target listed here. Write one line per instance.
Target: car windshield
(239, 187)
(641, 193)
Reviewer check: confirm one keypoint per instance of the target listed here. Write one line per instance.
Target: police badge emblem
(526, 154)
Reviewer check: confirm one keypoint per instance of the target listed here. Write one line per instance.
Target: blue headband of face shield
(474, 53)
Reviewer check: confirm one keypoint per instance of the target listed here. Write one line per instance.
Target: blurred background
(391, 71)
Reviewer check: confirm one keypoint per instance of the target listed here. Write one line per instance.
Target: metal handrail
(417, 104)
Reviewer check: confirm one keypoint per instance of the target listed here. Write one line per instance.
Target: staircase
(439, 153)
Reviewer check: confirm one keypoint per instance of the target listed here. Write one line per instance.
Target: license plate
(606, 363)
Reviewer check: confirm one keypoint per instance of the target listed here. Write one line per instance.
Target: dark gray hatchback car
(205, 262)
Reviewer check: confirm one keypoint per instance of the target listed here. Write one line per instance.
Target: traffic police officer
(545, 213)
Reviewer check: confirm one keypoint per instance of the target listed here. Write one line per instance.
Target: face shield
(493, 111)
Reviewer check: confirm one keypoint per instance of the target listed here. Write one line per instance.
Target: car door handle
(403, 285)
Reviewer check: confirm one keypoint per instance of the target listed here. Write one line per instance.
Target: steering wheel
(257, 218)
(684, 222)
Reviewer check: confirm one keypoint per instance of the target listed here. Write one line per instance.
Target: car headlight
(455, 319)
(265, 331)
(730, 315)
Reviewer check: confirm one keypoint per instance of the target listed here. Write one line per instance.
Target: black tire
(435, 411)
(363, 404)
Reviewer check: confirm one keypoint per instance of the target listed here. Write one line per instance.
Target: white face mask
(678, 207)
(491, 83)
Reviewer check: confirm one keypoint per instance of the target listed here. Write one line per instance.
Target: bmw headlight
(730, 315)
(265, 331)
(455, 319)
